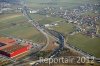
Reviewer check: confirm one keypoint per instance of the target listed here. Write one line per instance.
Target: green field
(7, 20)
(16, 25)
(57, 3)
(90, 13)
(42, 19)
(50, 20)
(98, 22)
(64, 28)
(91, 45)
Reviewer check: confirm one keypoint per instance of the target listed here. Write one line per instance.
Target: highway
(60, 41)
(38, 26)
(59, 37)
(44, 30)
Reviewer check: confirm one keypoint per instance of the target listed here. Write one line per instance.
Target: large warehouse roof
(13, 48)
(10, 48)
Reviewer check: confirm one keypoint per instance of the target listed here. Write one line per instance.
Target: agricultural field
(16, 25)
(90, 45)
(64, 28)
(57, 3)
(42, 19)
(7, 20)
(90, 13)
(98, 22)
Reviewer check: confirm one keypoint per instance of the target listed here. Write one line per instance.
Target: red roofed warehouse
(10, 49)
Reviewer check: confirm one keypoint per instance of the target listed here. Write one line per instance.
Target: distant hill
(10, 1)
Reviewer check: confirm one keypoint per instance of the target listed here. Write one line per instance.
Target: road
(42, 29)
(60, 41)
(59, 37)
(38, 26)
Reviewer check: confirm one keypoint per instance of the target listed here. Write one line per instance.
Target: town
(85, 24)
